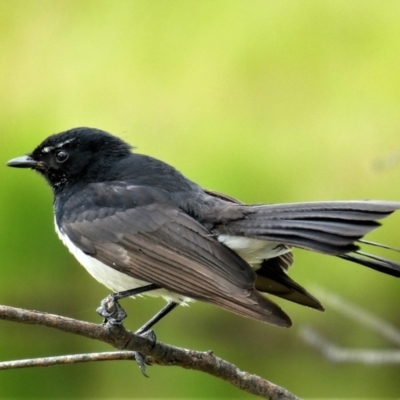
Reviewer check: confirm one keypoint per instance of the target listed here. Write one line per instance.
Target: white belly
(113, 279)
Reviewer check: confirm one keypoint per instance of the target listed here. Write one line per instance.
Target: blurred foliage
(266, 101)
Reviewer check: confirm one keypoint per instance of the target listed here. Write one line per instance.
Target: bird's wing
(140, 232)
(272, 277)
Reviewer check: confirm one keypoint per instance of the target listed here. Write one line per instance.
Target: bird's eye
(61, 156)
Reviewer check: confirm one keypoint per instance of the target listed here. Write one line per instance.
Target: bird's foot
(111, 310)
(142, 361)
(140, 358)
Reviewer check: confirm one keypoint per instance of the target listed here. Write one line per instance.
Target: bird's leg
(146, 331)
(161, 314)
(111, 310)
(113, 313)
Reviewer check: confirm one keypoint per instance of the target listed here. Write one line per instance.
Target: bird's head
(79, 154)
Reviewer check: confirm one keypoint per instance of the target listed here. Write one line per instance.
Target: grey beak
(22, 162)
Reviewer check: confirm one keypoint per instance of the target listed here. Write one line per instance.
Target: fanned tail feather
(332, 228)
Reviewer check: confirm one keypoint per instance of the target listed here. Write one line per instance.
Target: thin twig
(160, 353)
(345, 355)
(360, 315)
(335, 353)
(68, 359)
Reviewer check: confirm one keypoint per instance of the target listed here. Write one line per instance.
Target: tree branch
(371, 322)
(122, 339)
(346, 355)
(68, 359)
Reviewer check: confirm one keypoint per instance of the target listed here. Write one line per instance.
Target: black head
(79, 154)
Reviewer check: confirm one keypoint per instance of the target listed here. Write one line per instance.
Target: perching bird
(138, 225)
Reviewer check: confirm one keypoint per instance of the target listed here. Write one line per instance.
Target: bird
(139, 226)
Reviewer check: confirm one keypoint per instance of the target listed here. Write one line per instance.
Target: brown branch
(122, 339)
(68, 359)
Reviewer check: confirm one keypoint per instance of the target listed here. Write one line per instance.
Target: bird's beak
(23, 162)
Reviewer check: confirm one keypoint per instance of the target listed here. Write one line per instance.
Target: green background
(267, 101)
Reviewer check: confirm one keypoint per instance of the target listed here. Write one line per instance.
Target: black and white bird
(139, 226)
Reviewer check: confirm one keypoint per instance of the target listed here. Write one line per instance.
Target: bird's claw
(150, 334)
(111, 311)
(141, 359)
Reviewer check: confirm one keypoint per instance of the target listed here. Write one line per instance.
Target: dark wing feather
(145, 236)
(273, 279)
(272, 275)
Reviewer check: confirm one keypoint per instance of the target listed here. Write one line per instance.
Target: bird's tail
(334, 228)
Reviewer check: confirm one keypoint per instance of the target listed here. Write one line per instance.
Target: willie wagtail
(139, 226)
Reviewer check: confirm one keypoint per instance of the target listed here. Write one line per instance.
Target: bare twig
(372, 322)
(122, 339)
(360, 315)
(68, 359)
(346, 355)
